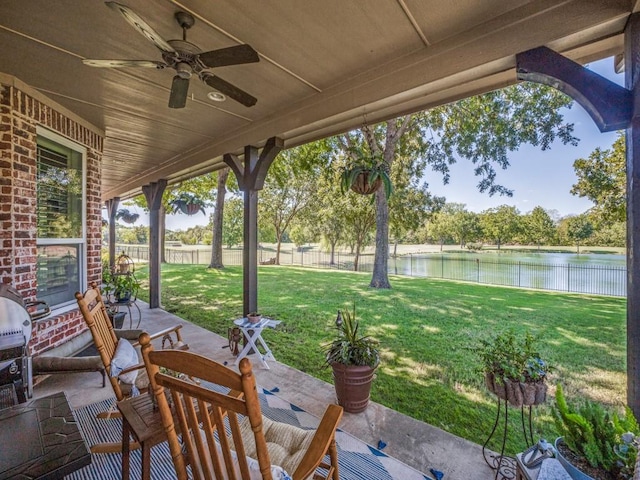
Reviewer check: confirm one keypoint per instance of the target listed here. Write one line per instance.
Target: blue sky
(536, 177)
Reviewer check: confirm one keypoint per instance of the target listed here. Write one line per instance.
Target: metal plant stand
(504, 465)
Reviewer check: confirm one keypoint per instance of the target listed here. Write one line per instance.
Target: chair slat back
(95, 315)
(208, 458)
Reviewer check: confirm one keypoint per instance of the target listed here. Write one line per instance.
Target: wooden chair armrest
(325, 434)
(131, 369)
(175, 329)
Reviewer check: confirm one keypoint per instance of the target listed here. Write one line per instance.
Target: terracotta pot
(362, 186)
(353, 386)
(254, 318)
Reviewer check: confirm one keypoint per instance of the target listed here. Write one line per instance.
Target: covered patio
(418, 445)
(324, 68)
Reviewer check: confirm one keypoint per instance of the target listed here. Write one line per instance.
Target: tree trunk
(441, 243)
(333, 254)
(356, 258)
(162, 227)
(218, 216)
(395, 248)
(279, 243)
(380, 277)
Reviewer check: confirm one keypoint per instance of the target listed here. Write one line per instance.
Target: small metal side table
(253, 334)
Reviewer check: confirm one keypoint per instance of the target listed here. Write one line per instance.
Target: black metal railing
(607, 280)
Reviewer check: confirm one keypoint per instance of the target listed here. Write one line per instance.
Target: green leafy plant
(121, 286)
(350, 347)
(372, 167)
(509, 358)
(605, 439)
(188, 203)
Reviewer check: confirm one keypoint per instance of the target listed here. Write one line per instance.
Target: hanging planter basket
(188, 204)
(365, 180)
(362, 185)
(127, 216)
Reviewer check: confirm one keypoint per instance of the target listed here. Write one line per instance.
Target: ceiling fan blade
(179, 91)
(229, 90)
(143, 27)
(125, 63)
(229, 56)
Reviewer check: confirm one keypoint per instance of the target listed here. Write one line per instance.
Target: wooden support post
(251, 175)
(153, 193)
(632, 81)
(112, 209)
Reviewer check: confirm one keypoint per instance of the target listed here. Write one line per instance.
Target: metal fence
(574, 278)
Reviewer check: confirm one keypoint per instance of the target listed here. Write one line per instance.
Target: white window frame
(81, 242)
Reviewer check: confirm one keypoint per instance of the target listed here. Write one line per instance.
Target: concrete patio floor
(415, 443)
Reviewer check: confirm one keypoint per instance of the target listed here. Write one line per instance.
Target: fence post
(477, 270)
(441, 266)
(302, 256)
(411, 264)
(568, 277)
(519, 272)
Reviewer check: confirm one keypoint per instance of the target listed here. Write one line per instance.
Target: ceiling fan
(185, 58)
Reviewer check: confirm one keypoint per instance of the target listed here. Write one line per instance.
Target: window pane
(59, 191)
(58, 273)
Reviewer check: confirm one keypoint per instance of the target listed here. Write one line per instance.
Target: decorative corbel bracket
(609, 105)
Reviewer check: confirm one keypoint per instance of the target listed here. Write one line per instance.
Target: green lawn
(427, 329)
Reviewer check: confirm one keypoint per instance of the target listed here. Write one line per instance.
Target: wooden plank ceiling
(326, 66)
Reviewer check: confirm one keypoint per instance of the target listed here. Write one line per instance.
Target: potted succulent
(127, 216)
(595, 443)
(365, 176)
(188, 203)
(513, 369)
(354, 358)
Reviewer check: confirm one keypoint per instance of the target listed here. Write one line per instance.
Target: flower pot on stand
(353, 386)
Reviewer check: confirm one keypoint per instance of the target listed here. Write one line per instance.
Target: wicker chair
(251, 443)
(106, 339)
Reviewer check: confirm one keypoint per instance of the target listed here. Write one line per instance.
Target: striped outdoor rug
(357, 460)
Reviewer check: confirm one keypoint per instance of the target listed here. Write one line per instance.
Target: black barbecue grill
(15, 332)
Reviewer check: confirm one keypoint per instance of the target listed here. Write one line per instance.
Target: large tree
(481, 129)
(289, 187)
(538, 227)
(500, 224)
(579, 228)
(218, 218)
(602, 178)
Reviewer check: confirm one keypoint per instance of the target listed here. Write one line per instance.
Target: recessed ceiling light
(216, 96)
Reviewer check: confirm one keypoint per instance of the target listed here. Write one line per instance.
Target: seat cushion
(286, 444)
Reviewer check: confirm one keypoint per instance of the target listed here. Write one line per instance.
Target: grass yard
(427, 330)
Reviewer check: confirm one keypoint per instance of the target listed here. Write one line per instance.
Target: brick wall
(20, 114)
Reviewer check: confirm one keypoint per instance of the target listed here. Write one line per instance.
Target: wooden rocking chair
(254, 443)
(106, 339)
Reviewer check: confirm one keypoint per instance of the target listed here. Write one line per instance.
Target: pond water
(601, 274)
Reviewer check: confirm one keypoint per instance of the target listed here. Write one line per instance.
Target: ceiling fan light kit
(186, 59)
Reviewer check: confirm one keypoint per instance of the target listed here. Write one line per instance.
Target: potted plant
(126, 216)
(365, 175)
(188, 203)
(354, 358)
(120, 286)
(513, 369)
(595, 443)
(254, 317)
